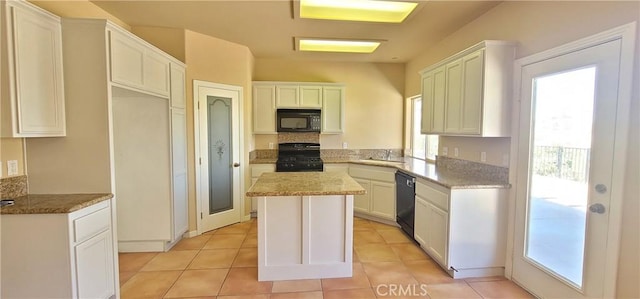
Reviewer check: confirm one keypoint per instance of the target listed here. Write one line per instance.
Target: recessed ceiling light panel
(357, 10)
(344, 46)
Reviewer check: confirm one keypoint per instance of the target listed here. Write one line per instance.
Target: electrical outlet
(483, 156)
(505, 160)
(270, 145)
(345, 145)
(12, 167)
(455, 152)
(445, 151)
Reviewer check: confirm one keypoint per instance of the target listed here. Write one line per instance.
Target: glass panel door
(561, 145)
(220, 158)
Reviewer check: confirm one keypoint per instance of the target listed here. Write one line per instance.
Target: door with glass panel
(219, 151)
(565, 157)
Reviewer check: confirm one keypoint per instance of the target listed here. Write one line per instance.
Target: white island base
(305, 237)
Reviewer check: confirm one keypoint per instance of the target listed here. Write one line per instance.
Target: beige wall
(79, 9)
(170, 40)
(11, 149)
(538, 26)
(215, 60)
(373, 98)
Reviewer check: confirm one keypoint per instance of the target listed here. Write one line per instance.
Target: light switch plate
(345, 145)
(445, 151)
(483, 156)
(12, 167)
(455, 152)
(270, 145)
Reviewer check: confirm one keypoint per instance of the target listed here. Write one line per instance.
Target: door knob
(236, 164)
(601, 188)
(597, 208)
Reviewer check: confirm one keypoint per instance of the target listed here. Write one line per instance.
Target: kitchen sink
(372, 159)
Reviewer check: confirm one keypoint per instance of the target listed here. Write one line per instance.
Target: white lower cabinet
(59, 255)
(464, 230)
(379, 201)
(256, 171)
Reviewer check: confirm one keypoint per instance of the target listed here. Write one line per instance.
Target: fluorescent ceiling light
(345, 46)
(357, 10)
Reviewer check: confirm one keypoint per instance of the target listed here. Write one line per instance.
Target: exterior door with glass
(219, 153)
(568, 113)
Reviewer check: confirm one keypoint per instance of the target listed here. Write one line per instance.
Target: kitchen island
(305, 224)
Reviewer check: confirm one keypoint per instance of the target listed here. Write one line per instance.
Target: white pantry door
(565, 180)
(218, 161)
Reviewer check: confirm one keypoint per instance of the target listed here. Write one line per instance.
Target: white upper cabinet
(32, 75)
(333, 110)
(294, 95)
(178, 90)
(133, 64)
(270, 96)
(264, 109)
(311, 96)
(468, 94)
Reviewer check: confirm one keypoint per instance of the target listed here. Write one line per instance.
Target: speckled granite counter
(304, 183)
(470, 179)
(264, 161)
(53, 203)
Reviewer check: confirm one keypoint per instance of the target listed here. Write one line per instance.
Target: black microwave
(298, 120)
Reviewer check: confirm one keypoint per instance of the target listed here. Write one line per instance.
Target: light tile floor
(223, 264)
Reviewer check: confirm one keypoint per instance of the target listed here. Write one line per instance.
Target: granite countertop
(428, 171)
(53, 203)
(304, 183)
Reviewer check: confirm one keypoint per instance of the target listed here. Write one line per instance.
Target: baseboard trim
(190, 234)
(376, 219)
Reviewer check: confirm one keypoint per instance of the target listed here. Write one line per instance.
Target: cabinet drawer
(373, 173)
(436, 197)
(92, 224)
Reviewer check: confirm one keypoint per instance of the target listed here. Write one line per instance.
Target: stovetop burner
(293, 157)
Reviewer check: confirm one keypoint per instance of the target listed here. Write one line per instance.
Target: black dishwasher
(405, 201)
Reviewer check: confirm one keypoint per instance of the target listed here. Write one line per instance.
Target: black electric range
(299, 156)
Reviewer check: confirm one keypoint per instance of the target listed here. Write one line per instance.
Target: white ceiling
(268, 27)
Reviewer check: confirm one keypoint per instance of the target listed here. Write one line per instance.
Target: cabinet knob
(236, 164)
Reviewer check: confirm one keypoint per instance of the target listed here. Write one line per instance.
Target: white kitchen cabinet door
(135, 65)
(311, 96)
(287, 96)
(179, 172)
(439, 101)
(420, 227)
(361, 202)
(94, 265)
(264, 109)
(472, 91)
(127, 61)
(454, 96)
(156, 73)
(36, 105)
(333, 110)
(437, 234)
(426, 123)
(383, 203)
(178, 90)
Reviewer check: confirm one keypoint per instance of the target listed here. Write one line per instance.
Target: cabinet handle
(236, 164)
